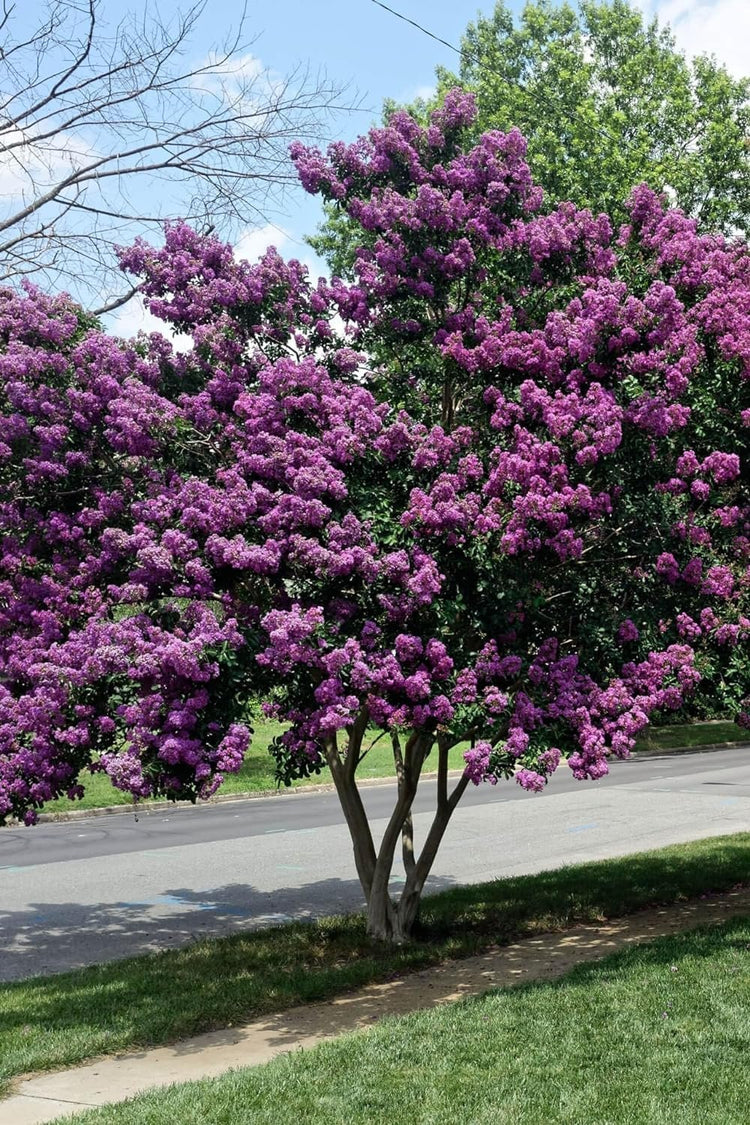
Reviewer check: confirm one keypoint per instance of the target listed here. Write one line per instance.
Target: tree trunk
(381, 916)
(389, 920)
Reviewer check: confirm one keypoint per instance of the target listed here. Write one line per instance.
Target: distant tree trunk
(390, 919)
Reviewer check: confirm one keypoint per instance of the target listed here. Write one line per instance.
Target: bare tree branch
(105, 131)
(117, 302)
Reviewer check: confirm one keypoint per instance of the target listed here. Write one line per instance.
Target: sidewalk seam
(47, 1098)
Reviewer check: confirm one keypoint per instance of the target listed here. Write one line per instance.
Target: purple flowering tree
(491, 494)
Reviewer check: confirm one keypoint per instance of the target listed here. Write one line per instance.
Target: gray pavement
(98, 889)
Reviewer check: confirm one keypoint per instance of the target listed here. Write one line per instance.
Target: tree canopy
(606, 101)
(493, 492)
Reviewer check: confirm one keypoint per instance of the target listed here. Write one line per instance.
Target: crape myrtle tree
(491, 493)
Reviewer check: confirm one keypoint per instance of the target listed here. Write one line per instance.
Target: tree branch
(89, 113)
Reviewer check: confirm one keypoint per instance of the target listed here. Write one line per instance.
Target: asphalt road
(101, 888)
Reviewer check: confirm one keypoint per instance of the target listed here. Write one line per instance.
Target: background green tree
(606, 101)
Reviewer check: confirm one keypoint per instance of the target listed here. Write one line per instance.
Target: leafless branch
(105, 131)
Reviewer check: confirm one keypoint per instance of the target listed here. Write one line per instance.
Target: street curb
(324, 787)
(709, 748)
(228, 798)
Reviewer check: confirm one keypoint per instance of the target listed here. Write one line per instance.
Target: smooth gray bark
(390, 919)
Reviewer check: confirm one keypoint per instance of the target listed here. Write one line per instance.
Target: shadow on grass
(553, 964)
(718, 936)
(591, 891)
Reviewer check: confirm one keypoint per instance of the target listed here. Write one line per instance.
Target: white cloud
(29, 167)
(220, 76)
(243, 82)
(252, 244)
(14, 165)
(240, 67)
(134, 317)
(711, 27)
(408, 94)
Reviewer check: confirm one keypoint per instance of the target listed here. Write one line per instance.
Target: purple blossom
(628, 632)
(530, 780)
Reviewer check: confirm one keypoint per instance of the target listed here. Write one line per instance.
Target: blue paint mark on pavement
(170, 900)
(220, 908)
(582, 827)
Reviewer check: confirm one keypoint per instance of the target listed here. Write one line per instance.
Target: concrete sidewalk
(114, 1078)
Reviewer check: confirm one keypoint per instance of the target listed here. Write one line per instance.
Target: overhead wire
(419, 27)
(463, 53)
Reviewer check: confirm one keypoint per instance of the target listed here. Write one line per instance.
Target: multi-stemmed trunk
(388, 918)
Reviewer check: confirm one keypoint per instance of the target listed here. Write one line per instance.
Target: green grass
(257, 772)
(657, 1035)
(691, 736)
(56, 1021)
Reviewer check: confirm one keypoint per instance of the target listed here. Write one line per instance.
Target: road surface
(101, 888)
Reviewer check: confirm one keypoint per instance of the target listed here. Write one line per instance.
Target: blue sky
(359, 43)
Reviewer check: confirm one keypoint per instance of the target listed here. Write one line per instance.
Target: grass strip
(56, 1021)
(257, 773)
(658, 1034)
(691, 736)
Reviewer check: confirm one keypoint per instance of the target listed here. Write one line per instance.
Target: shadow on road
(54, 937)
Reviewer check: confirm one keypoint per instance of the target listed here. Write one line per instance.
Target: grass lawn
(257, 772)
(56, 1021)
(657, 1035)
(691, 735)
